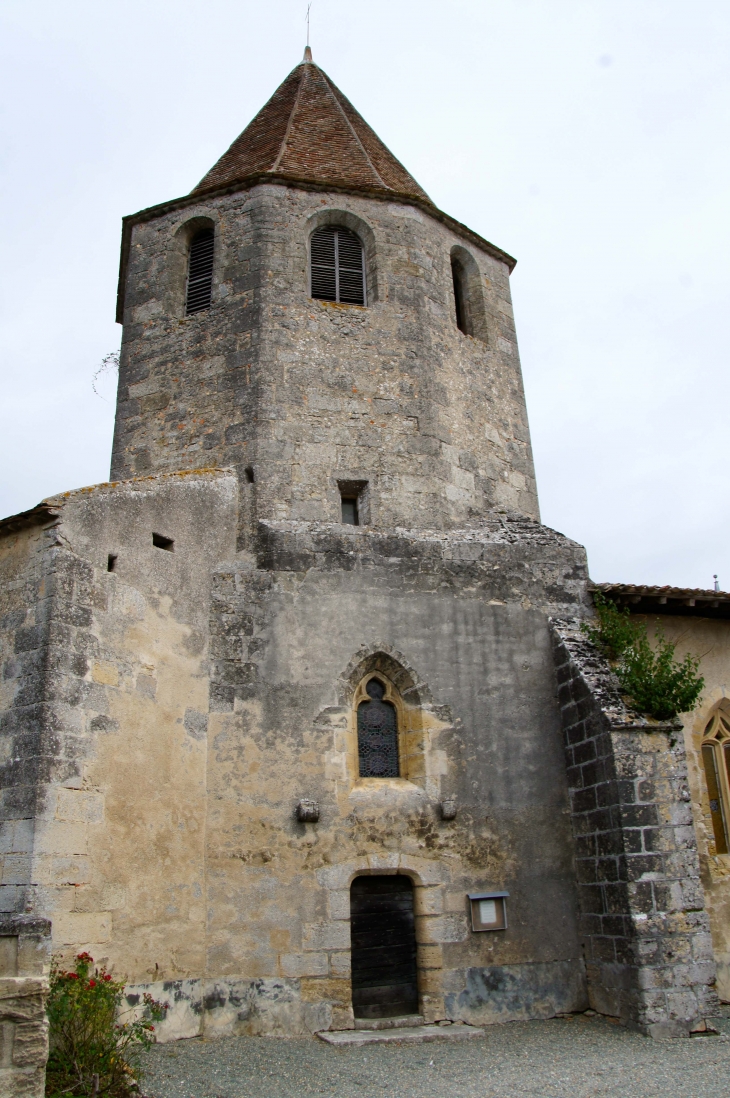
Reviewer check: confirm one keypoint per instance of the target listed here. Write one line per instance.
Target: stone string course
(645, 930)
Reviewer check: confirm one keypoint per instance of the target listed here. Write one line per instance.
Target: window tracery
(716, 762)
(377, 734)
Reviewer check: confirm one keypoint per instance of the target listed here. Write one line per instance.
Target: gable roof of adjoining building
(308, 131)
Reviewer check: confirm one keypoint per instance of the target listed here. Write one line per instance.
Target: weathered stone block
(304, 964)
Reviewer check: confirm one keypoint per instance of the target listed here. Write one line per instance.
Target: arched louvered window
(200, 272)
(338, 266)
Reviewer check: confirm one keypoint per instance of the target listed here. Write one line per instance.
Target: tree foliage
(93, 1051)
(656, 683)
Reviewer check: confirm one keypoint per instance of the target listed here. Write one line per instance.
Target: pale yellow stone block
(75, 870)
(430, 956)
(441, 928)
(321, 936)
(428, 901)
(80, 928)
(326, 990)
(304, 964)
(384, 861)
(455, 902)
(78, 805)
(105, 673)
(341, 964)
(339, 904)
(280, 938)
(430, 981)
(61, 837)
(428, 872)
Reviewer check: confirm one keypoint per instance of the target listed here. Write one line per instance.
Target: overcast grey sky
(589, 138)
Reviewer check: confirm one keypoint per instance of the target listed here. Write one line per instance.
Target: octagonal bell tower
(403, 395)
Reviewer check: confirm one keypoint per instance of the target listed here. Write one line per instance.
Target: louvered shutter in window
(338, 266)
(200, 272)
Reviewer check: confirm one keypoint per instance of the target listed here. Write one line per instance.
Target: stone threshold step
(401, 1021)
(405, 1034)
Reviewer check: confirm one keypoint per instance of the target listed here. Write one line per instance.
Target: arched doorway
(383, 937)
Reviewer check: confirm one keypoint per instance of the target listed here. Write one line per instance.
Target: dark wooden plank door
(384, 976)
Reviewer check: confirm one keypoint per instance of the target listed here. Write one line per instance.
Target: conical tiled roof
(309, 132)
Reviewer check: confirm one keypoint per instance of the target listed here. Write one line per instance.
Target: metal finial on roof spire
(307, 51)
(717, 585)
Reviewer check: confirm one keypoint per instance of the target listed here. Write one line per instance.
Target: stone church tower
(299, 730)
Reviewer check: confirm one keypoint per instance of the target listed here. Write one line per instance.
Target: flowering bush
(93, 1051)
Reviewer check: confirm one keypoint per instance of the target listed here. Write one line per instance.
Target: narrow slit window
(337, 266)
(350, 514)
(111, 562)
(161, 542)
(200, 272)
(457, 273)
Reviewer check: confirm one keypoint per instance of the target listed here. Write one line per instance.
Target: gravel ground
(580, 1056)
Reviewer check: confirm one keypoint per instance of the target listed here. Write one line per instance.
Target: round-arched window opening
(377, 734)
(199, 288)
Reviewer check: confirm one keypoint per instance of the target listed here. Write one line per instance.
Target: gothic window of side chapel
(716, 761)
(377, 734)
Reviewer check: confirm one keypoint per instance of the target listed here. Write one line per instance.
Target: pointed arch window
(377, 734)
(716, 761)
(200, 272)
(337, 266)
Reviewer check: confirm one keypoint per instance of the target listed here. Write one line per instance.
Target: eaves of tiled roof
(678, 601)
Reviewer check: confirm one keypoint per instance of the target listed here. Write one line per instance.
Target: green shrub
(655, 682)
(92, 1050)
(614, 630)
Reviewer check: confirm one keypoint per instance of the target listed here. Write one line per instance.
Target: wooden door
(384, 977)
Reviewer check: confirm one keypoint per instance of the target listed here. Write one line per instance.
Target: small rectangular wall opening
(111, 562)
(161, 542)
(349, 511)
(354, 502)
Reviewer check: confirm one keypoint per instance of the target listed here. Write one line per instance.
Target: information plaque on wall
(488, 910)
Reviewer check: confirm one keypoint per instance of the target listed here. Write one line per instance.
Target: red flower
(152, 1028)
(107, 976)
(72, 976)
(92, 983)
(84, 957)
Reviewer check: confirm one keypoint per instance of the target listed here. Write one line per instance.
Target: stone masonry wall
(306, 393)
(710, 640)
(104, 721)
(24, 957)
(643, 921)
(457, 621)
